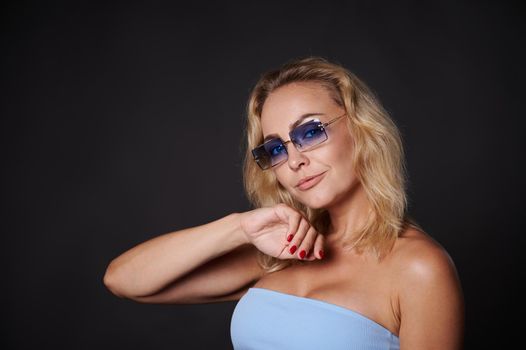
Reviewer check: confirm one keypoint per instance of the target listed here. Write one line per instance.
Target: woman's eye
(276, 150)
(311, 133)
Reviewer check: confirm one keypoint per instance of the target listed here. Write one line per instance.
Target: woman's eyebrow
(293, 125)
(300, 119)
(270, 137)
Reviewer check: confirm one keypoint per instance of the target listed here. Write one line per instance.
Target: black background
(124, 121)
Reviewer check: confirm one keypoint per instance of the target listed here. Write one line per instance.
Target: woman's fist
(282, 232)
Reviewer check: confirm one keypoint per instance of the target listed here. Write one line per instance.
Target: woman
(329, 259)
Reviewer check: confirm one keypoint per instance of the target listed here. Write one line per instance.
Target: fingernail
(289, 238)
(302, 254)
(321, 253)
(292, 249)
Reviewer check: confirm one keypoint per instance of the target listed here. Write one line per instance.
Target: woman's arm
(190, 265)
(431, 301)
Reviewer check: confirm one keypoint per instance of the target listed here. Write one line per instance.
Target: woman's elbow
(111, 281)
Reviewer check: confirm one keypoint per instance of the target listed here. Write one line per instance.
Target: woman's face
(331, 159)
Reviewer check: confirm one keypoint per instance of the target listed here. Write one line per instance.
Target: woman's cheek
(283, 183)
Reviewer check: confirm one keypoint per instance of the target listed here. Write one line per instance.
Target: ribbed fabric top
(265, 319)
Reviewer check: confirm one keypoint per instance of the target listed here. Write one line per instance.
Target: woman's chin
(315, 202)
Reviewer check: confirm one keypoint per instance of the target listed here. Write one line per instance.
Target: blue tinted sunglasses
(304, 137)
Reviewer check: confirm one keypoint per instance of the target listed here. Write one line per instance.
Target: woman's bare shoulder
(428, 292)
(416, 255)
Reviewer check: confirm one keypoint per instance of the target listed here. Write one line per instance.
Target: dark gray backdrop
(124, 121)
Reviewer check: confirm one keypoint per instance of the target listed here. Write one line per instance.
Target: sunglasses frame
(322, 127)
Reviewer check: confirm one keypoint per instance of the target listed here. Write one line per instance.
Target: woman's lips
(311, 182)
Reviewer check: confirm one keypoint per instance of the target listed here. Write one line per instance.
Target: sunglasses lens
(261, 157)
(276, 151)
(270, 153)
(308, 135)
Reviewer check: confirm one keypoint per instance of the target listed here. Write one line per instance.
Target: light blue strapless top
(266, 319)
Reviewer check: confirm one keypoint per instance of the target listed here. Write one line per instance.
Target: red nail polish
(321, 253)
(289, 238)
(292, 249)
(302, 254)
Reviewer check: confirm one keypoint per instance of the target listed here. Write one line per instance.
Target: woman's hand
(269, 228)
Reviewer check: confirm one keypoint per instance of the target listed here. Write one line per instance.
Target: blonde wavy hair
(377, 158)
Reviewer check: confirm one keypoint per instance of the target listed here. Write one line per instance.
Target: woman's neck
(348, 215)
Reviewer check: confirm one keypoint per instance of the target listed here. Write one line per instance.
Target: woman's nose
(295, 157)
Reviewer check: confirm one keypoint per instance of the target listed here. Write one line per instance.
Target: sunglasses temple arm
(332, 121)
